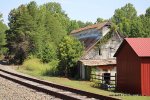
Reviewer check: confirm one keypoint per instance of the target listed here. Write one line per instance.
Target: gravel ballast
(13, 91)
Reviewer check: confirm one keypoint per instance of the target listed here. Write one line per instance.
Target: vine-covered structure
(100, 44)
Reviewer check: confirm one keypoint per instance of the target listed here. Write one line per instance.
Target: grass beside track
(82, 85)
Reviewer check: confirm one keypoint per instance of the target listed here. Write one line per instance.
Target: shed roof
(99, 62)
(141, 46)
(97, 26)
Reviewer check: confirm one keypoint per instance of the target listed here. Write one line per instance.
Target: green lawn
(82, 85)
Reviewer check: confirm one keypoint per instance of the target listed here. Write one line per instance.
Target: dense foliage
(31, 27)
(70, 50)
(38, 30)
(3, 28)
(130, 24)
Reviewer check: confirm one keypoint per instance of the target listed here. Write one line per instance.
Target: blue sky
(84, 10)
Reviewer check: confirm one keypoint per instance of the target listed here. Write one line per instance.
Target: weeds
(36, 66)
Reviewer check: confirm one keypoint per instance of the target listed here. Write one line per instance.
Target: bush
(48, 53)
(32, 64)
(35, 65)
(52, 71)
(70, 50)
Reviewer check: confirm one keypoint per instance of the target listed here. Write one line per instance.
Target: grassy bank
(35, 68)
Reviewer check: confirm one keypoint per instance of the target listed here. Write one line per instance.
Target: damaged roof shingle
(97, 26)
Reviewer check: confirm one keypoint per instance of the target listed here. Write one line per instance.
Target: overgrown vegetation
(35, 65)
(39, 31)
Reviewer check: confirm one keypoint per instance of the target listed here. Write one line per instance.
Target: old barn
(133, 66)
(100, 45)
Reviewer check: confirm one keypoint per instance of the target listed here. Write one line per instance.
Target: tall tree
(54, 29)
(21, 27)
(147, 12)
(145, 19)
(3, 28)
(31, 27)
(126, 12)
(56, 10)
(123, 18)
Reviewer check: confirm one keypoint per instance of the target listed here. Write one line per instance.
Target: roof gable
(141, 46)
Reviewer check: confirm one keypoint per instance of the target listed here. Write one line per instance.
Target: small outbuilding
(133, 66)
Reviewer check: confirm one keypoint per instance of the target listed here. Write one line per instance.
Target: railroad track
(53, 89)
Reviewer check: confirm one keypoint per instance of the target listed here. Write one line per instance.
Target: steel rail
(62, 96)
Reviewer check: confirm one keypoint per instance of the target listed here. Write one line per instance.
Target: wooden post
(102, 78)
(115, 80)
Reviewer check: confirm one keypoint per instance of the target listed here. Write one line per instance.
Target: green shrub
(35, 65)
(53, 70)
(32, 64)
(69, 52)
(48, 53)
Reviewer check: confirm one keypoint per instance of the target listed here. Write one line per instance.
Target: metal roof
(141, 46)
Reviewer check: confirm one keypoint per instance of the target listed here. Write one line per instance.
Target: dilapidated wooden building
(100, 44)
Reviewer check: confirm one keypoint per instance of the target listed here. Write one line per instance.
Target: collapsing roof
(96, 26)
(141, 46)
(88, 42)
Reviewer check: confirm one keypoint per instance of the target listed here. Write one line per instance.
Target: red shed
(133, 66)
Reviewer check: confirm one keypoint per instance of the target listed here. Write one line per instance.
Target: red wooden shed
(133, 66)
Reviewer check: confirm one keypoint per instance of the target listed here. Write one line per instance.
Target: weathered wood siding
(107, 50)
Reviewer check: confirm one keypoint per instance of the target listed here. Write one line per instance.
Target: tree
(70, 50)
(48, 53)
(73, 26)
(126, 12)
(147, 12)
(3, 28)
(81, 24)
(55, 31)
(145, 20)
(21, 25)
(126, 19)
(88, 23)
(136, 29)
(56, 10)
(100, 20)
(31, 27)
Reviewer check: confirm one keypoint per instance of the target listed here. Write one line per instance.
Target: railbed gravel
(14, 91)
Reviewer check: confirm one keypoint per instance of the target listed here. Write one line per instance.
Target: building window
(99, 51)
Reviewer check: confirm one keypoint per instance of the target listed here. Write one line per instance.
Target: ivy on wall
(104, 39)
